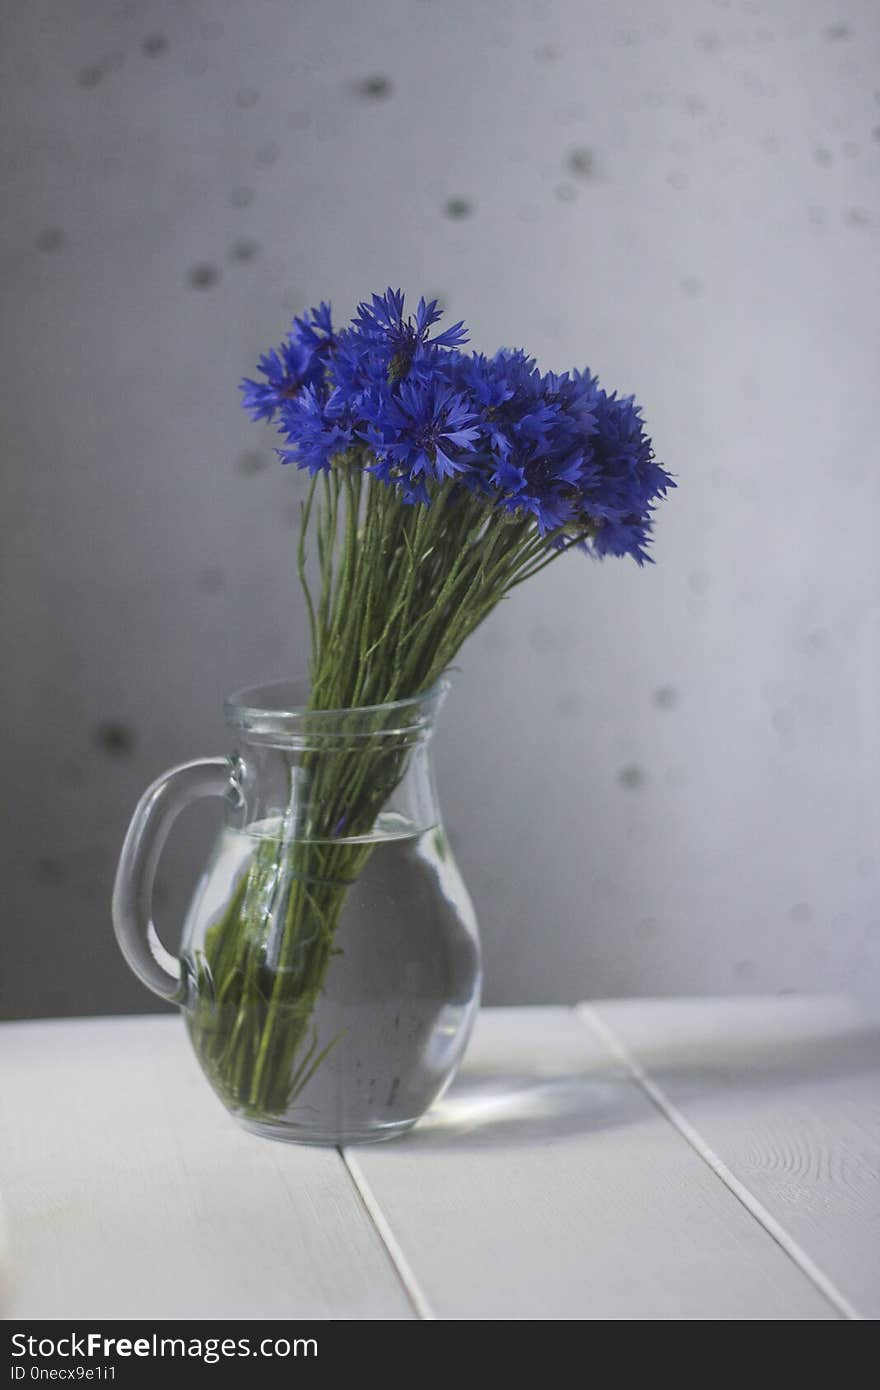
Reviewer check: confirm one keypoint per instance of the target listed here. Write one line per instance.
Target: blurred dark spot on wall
(49, 870)
(252, 461)
(566, 192)
(50, 239)
(243, 250)
(745, 971)
(571, 111)
(547, 53)
(708, 41)
(857, 217)
(154, 45)
(456, 208)
(835, 32)
(242, 197)
(90, 76)
(632, 777)
(570, 704)
(822, 155)
(212, 580)
(376, 87)
(204, 276)
(267, 154)
(666, 697)
(814, 641)
(699, 581)
(246, 97)
(116, 737)
(692, 286)
(581, 162)
(801, 913)
(783, 722)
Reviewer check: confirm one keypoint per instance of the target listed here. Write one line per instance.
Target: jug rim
(279, 707)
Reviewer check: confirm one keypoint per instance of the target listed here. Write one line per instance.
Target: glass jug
(329, 972)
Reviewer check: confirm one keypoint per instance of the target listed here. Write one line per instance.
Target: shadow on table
(707, 1053)
(710, 1055)
(497, 1109)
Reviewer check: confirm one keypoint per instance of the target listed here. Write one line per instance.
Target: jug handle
(133, 890)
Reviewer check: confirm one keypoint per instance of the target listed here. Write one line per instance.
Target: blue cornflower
(298, 362)
(541, 484)
(405, 343)
(419, 430)
(316, 332)
(489, 383)
(359, 366)
(414, 410)
(315, 436)
(621, 478)
(518, 408)
(534, 433)
(286, 370)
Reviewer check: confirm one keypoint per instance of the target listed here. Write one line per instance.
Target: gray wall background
(657, 782)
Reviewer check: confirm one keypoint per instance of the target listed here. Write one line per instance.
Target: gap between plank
(692, 1136)
(402, 1267)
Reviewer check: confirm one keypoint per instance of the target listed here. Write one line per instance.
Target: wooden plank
(129, 1192)
(784, 1096)
(546, 1185)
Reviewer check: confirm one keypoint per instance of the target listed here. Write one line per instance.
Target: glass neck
(333, 775)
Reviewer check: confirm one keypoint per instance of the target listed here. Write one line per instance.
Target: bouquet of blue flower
(440, 480)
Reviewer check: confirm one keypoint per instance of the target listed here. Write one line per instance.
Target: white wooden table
(640, 1160)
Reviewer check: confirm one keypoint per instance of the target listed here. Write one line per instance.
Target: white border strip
(419, 1302)
(773, 1228)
